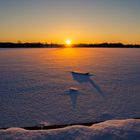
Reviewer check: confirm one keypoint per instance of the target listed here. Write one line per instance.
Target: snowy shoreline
(46, 126)
(127, 129)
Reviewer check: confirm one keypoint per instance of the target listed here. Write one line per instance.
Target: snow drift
(109, 130)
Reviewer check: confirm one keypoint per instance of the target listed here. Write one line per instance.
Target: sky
(82, 21)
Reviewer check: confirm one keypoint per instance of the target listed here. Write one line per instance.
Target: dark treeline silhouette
(46, 45)
(109, 45)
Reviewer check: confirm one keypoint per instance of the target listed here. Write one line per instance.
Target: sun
(68, 42)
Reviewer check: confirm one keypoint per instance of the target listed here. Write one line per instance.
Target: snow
(35, 83)
(128, 129)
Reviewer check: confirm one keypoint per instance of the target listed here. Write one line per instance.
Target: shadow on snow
(80, 78)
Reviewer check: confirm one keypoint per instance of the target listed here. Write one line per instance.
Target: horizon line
(54, 43)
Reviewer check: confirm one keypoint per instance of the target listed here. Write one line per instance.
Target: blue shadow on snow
(80, 78)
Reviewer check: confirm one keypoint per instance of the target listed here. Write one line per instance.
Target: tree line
(51, 45)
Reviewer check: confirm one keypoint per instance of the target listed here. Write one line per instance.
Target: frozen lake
(34, 85)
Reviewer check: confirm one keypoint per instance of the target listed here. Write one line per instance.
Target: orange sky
(90, 21)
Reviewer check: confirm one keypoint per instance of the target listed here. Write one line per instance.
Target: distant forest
(45, 45)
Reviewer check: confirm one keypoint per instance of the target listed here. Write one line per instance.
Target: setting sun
(68, 42)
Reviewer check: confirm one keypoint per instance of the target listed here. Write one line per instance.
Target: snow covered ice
(34, 85)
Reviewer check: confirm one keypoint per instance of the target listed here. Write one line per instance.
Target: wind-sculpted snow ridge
(128, 129)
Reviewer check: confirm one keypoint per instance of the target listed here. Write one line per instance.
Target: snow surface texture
(35, 83)
(109, 130)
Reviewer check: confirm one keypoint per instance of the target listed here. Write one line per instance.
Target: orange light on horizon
(68, 42)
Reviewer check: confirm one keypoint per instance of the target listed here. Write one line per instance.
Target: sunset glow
(50, 21)
(68, 42)
(69, 62)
